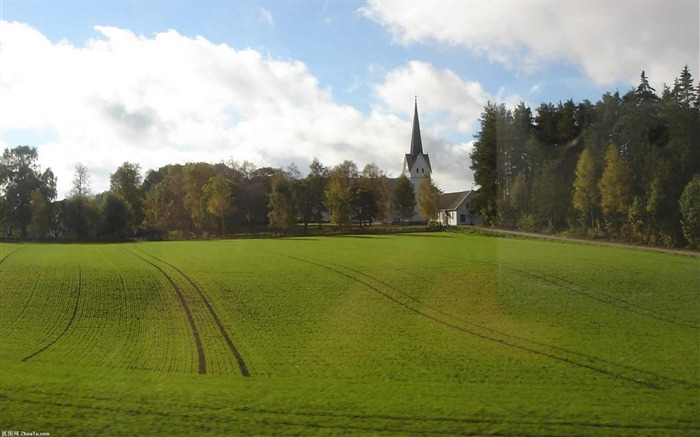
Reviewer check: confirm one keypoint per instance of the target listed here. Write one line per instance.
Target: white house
(455, 209)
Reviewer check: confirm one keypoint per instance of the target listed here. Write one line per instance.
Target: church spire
(416, 142)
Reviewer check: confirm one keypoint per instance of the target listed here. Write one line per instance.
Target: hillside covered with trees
(625, 168)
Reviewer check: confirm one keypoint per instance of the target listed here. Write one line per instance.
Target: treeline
(198, 199)
(624, 168)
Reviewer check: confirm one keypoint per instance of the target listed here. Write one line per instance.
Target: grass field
(440, 333)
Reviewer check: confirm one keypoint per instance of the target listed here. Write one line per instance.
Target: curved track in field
(242, 366)
(341, 422)
(591, 358)
(68, 325)
(608, 368)
(2, 260)
(604, 298)
(202, 362)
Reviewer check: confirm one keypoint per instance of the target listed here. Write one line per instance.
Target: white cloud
(175, 99)
(438, 91)
(266, 17)
(171, 98)
(609, 41)
(449, 108)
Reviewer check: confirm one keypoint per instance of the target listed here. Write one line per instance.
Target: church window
(416, 170)
(462, 218)
(422, 170)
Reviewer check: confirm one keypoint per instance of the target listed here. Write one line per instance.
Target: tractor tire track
(393, 423)
(68, 325)
(2, 260)
(202, 367)
(603, 298)
(243, 367)
(591, 358)
(570, 361)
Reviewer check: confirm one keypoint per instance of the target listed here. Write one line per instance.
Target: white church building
(455, 208)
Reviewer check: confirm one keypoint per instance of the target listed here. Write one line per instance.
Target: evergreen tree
(644, 92)
(683, 89)
(484, 157)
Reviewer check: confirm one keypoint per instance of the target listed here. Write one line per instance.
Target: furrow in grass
(603, 298)
(239, 358)
(489, 337)
(414, 424)
(68, 325)
(202, 367)
(11, 323)
(579, 355)
(2, 260)
(591, 358)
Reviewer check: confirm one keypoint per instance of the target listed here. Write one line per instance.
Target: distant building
(416, 164)
(455, 208)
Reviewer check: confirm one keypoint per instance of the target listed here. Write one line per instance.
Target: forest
(199, 200)
(625, 168)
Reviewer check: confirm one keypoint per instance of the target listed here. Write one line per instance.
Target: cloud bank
(171, 98)
(609, 41)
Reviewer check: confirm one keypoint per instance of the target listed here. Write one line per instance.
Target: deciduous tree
(20, 177)
(586, 194)
(282, 207)
(428, 198)
(218, 198)
(690, 209)
(404, 198)
(615, 185)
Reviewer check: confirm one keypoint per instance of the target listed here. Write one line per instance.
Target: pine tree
(644, 92)
(683, 89)
(484, 159)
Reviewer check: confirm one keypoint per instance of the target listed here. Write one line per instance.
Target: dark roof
(450, 201)
(410, 159)
(416, 142)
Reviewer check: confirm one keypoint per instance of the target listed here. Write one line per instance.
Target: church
(455, 208)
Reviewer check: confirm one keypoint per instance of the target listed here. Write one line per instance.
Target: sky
(158, 82)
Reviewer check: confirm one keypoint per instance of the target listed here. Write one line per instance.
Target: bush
(690, 209)
(526, 222)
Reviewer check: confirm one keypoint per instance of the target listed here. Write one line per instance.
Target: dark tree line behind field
(626, 167)
(194, 199)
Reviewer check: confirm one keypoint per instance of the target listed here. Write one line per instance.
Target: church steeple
(416, 142)
(416, 164)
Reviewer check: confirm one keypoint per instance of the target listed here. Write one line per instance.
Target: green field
(440, 333)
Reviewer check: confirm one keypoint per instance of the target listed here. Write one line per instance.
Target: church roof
(411, 159)
(416, 142)
(450, 201)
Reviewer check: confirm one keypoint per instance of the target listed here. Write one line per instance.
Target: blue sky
(158, 82)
